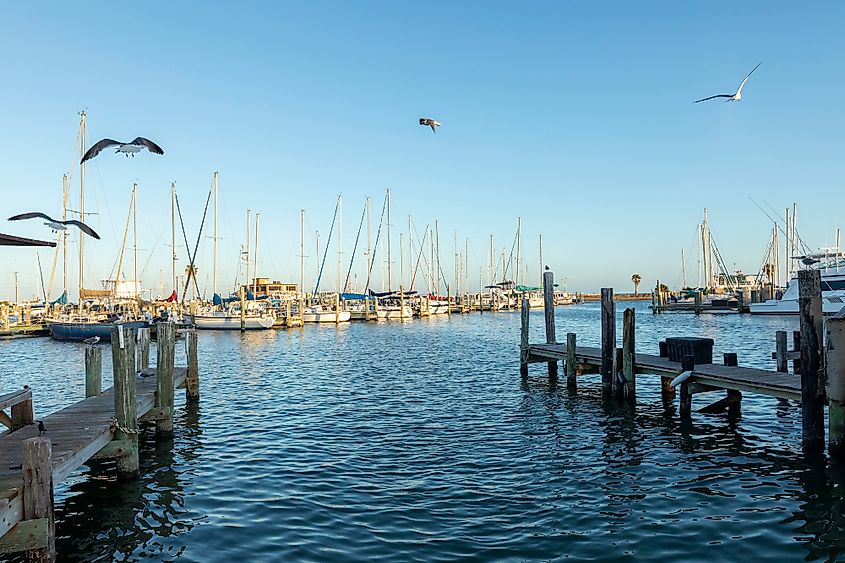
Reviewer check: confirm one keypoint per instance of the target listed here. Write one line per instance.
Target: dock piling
(608, 339)
(571, 368)
(143, 349)
(166, 333)
(796, 345)
(619, 381)
(629, 355)
(835, 366)
(125, 403)
(523, 339)
(192, 378)
(93, 371)
(549, 311)
(780, 352)
(812, 368)
(687, 364)
(38, 498)
(23, 413)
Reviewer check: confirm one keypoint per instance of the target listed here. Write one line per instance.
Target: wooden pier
(36, 457)
(818, 360)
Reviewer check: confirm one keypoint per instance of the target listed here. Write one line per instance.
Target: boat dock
(818, 359)
(37, 455)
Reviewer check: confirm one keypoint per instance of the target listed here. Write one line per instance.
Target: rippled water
(420, 442)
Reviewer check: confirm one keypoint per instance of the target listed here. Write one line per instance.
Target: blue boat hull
(81, 331)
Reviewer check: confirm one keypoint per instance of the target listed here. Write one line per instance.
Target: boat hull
(326, 317)
(80, 331)
(233, 322)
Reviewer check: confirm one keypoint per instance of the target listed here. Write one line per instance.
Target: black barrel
(699, 348)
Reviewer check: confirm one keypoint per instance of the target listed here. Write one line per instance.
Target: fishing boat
(82, 327)
(832, 270)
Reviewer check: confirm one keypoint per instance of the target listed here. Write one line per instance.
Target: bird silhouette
(55, 224)
(41, 428)
(131, 147)
(429, 122)
(736, 96)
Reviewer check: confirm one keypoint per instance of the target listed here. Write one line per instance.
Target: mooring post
(192, 378)
(143, 349)
(93, 371)
(571, 368)
(549, 310)
(125, 400)
(23, 414)
(812, 368)
(523, 339)
(618, 377)
(780, 352)
(166, 350)
(730, 359)
(37, 466)
(687, 364)
(243, 309)
(629, 353)
(796, 345)
(608, 339)
(835, 366)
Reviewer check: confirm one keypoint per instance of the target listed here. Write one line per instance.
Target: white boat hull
(233, 322)
(326, 316)
(395, 312)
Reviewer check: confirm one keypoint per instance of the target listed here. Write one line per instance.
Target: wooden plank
(25, 535)
(11, 399)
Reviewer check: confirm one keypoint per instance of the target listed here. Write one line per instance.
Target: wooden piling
(571, 367)
(687, 364)
(23, 413)
(192, 378)
(523, 339)
(165, 353)
(549, 311)
(835, 366)
(812, 368)
(243, 309)
(143, 349)
(38, 497)
(608, 339)
(618, 377)
(93, 371)
(629, 356)
(125, 402)
(780, 352)
(796, 345)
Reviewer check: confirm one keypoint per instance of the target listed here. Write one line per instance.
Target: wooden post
(666, 390)
(571, 368)
(401, 303)
(549, 313)
(166, 350)
(629, 355)
(730, 359)
(734, 397)
(796, 345)
(835, 365)
(23, 414)
(523, 339)
(697, 302)
(143, 349)
(687, 364)
(192, 379)
(618, 377)
(608, 338)
(125, 400)
(93, 371)
(780, 352)
(337, 308)
(37, 466)
(812, 368)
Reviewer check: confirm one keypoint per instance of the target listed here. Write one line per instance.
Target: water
(420, 442)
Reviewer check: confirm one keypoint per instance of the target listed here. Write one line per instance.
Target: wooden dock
(36, 457)
(818, 360)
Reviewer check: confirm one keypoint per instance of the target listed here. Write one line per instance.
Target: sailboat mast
(339, 242)
(302, 251)
(137, 286)
(518, 244)
(248, 242)
(541, 261)
(389, 280)
(81, 207)
(683, 269)
(437, 236)
(255, 257)
(466, 265)
(401, 263)
(369, 247)
(214, 271)
(173, 233)
(65, 194)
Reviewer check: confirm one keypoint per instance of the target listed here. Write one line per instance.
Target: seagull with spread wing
(55, 224)
(131, 147)
(429, 122)
(736, 96)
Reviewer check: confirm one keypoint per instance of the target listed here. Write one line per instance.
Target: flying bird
(55, 224)
(92, 340)
(735, 97)
(131, 147)
(429, 122)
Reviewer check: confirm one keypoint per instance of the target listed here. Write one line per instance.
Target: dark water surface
(420, 442)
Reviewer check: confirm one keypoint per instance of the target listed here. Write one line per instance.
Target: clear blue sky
(575, 116)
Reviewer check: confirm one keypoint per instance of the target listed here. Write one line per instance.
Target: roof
(11, 240)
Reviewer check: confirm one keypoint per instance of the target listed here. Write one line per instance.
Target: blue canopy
(353, 296)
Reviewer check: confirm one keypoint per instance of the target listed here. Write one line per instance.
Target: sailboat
(319, 311)
(234, 313)
(83, 324)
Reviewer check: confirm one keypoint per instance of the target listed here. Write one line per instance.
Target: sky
(576, 117)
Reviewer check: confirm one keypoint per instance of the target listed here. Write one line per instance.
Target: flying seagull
(429, 122)
(127, 148)
(55, 224)
(731, 97)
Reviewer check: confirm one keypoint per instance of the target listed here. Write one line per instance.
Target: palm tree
(636, 279)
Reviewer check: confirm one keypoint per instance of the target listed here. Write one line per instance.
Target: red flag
(173, 297)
